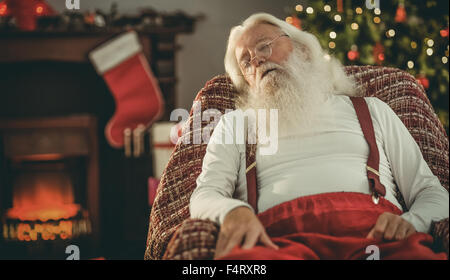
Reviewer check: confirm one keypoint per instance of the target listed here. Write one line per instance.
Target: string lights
(393, 34)
(390, 33)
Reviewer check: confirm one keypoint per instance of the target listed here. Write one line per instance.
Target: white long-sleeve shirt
(330, 157)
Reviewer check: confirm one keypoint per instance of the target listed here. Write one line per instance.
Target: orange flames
(26, 232)
(43, 196)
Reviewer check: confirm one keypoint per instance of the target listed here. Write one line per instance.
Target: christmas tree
(412, 35)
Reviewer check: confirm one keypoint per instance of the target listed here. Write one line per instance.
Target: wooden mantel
(66, 46)
(52, 47)
(159, 46)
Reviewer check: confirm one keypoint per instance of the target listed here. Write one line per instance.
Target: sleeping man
(319, 195)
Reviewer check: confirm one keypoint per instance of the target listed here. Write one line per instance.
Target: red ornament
(400, 15)
(378, 53)
(340, 6)
(353, 55)
(26, 12)
(423, 81)
(297, 22)
(444, 32)
(89, 18)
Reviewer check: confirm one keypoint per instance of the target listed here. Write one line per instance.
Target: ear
(302, 49)
(305, 51)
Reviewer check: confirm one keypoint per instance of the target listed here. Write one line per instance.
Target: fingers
(265, 239)
(402, 230)
(227, 244)
(221, 243)
(379, 228)
(236, 239)
(411, 230)
(391, 227)
(250, 239)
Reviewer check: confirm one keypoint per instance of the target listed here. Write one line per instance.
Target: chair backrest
(395, 87)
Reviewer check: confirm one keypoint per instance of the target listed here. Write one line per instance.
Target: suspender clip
(375, 198)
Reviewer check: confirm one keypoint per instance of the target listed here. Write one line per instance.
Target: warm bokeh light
(352, 55)
(3, 8)
(390, 33)
(39, 9)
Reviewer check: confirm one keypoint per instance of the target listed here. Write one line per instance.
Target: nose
(257, 60)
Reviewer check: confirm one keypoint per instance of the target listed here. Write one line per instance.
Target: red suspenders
(373, 161)
(372, 166)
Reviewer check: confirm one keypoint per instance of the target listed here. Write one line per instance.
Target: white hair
(341, 83)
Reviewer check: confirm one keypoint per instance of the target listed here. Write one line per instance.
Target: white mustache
(267, 66)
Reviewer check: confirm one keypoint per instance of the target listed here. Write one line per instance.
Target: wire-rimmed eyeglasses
(262, 50)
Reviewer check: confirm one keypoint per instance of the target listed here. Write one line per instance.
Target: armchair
(174, 235)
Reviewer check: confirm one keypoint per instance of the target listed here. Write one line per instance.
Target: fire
(42, 197)
(63, 230)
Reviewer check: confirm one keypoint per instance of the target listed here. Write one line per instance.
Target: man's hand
(241, 226)
(391, 227)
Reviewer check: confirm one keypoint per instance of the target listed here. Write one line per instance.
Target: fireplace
(49, 187)
(54, 108)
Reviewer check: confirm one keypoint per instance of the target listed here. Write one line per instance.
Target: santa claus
(328, 192)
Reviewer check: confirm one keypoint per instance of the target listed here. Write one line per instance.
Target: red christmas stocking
(136, 92)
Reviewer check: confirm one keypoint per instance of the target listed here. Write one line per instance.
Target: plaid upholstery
(195, 239)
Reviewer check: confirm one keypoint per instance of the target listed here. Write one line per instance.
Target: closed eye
(245, 59)
(245, 64)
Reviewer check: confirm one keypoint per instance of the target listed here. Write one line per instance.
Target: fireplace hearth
(50, 189)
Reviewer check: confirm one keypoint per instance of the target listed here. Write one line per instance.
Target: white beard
(298, 89)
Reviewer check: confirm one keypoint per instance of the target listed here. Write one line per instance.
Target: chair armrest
(439, 231)
(195, 239)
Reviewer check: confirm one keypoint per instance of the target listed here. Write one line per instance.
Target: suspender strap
(373, 162)
(250, 172)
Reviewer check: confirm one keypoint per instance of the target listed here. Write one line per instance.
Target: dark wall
(47, 89)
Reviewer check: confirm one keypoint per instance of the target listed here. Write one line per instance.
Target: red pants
(332, 226)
